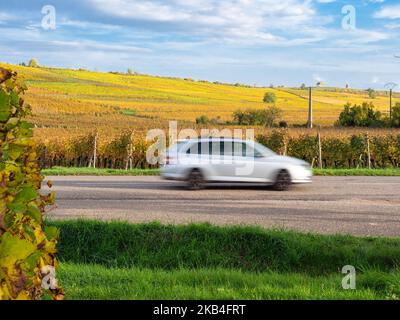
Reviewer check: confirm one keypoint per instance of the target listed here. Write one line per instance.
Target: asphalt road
(346, 205)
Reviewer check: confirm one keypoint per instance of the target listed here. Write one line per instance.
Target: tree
(130, 71)
(360, 116)
(271, 115)
(202, 120)
(371, 93)
(270, 97)
(33, 63)
(395, 122)
(27, 246)
(303, 86)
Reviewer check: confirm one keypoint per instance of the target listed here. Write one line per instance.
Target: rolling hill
(80, 100)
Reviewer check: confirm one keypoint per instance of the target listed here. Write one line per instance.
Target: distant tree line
(365, 115)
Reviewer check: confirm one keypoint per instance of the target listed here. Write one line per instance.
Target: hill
(80, 100)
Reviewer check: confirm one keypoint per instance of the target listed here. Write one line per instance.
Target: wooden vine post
(95, 151)
(368, 151)
(319, 150)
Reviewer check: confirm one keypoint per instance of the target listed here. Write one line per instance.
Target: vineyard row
(121, 152)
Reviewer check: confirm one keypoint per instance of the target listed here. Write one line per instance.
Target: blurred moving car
(206, 160)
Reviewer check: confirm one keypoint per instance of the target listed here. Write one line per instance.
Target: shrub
(395, 121)
(252, 117)
(283, 124)
(270, 97)
(360, 116)
(202, 120)
(27, 246)
(371, 93)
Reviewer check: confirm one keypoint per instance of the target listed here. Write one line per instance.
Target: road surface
(346, 205)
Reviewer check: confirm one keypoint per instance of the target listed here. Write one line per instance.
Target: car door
(251, 165)
(222, 160)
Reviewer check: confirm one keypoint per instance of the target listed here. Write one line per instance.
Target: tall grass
(156, 246)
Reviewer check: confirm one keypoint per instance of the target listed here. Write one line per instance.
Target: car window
(195, 148)
(198, 148)
(239, 149)
(252, 152)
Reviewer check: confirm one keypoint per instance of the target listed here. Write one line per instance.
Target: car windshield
(264, 150)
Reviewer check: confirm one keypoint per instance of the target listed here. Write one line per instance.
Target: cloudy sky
(286, 42)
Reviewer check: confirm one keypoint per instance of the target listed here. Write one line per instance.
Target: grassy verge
(357, 172)
(123, 261)
(98, 282)
(62, 171)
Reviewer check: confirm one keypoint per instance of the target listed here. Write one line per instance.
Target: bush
(251, 117)
(395, 121)
(371, 93)
(360, 116)
(270, 97)
(283, 124)
(202, 120)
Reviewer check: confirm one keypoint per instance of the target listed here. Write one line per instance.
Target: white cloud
(318, 78)
(4, 16)
(246, 20)
(388, 12)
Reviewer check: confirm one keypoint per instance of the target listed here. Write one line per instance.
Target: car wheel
(195, 180)
(283, 181)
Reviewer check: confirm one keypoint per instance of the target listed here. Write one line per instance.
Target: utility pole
(391, 86)
(310, 109)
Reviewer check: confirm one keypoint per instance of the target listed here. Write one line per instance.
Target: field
(74, 108)
(151, 261)
(75, 101)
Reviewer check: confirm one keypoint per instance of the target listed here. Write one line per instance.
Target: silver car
(206, 160)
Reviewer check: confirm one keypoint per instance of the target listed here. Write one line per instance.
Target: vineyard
(74, 110)
(347, 150)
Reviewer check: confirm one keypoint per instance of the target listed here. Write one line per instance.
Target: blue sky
(286, 42)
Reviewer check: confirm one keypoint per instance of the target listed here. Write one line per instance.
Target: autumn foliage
(27, 246)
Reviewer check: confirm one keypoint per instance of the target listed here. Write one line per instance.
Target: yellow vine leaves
(27, 246)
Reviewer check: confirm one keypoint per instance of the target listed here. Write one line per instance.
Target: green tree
(271, 115)
(371, 93)
(270, 97)
(395, 122)
(27, 246)
(33, 63)
(253, 117)
(202, 120)
(360, 116)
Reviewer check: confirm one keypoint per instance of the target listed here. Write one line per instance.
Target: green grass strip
(357, 172)
(90, 282)
(203, 246)
(63, 171)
